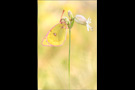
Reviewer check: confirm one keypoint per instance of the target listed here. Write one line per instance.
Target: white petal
(87, 27)
(89, 21)
(87, 24)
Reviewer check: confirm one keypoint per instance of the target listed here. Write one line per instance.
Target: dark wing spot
(54, 34)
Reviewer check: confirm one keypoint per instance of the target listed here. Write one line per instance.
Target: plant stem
(69, 56)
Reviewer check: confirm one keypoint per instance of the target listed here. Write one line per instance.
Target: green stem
(69, 56)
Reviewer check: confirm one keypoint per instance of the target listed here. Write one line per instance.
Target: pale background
(52, 61)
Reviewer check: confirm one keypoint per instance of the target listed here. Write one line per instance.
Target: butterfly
(56, 35)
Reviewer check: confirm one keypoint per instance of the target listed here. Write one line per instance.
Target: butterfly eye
(54, 34)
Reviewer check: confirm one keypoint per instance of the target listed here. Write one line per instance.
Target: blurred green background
(53, 61)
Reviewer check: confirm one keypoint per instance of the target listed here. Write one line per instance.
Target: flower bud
(70, 14)
(80, 19)
(66, 20)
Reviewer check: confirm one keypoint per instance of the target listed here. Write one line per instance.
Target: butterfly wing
(56, 36)
(44, 41)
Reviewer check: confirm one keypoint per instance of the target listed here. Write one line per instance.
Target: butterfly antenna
(62, 15)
